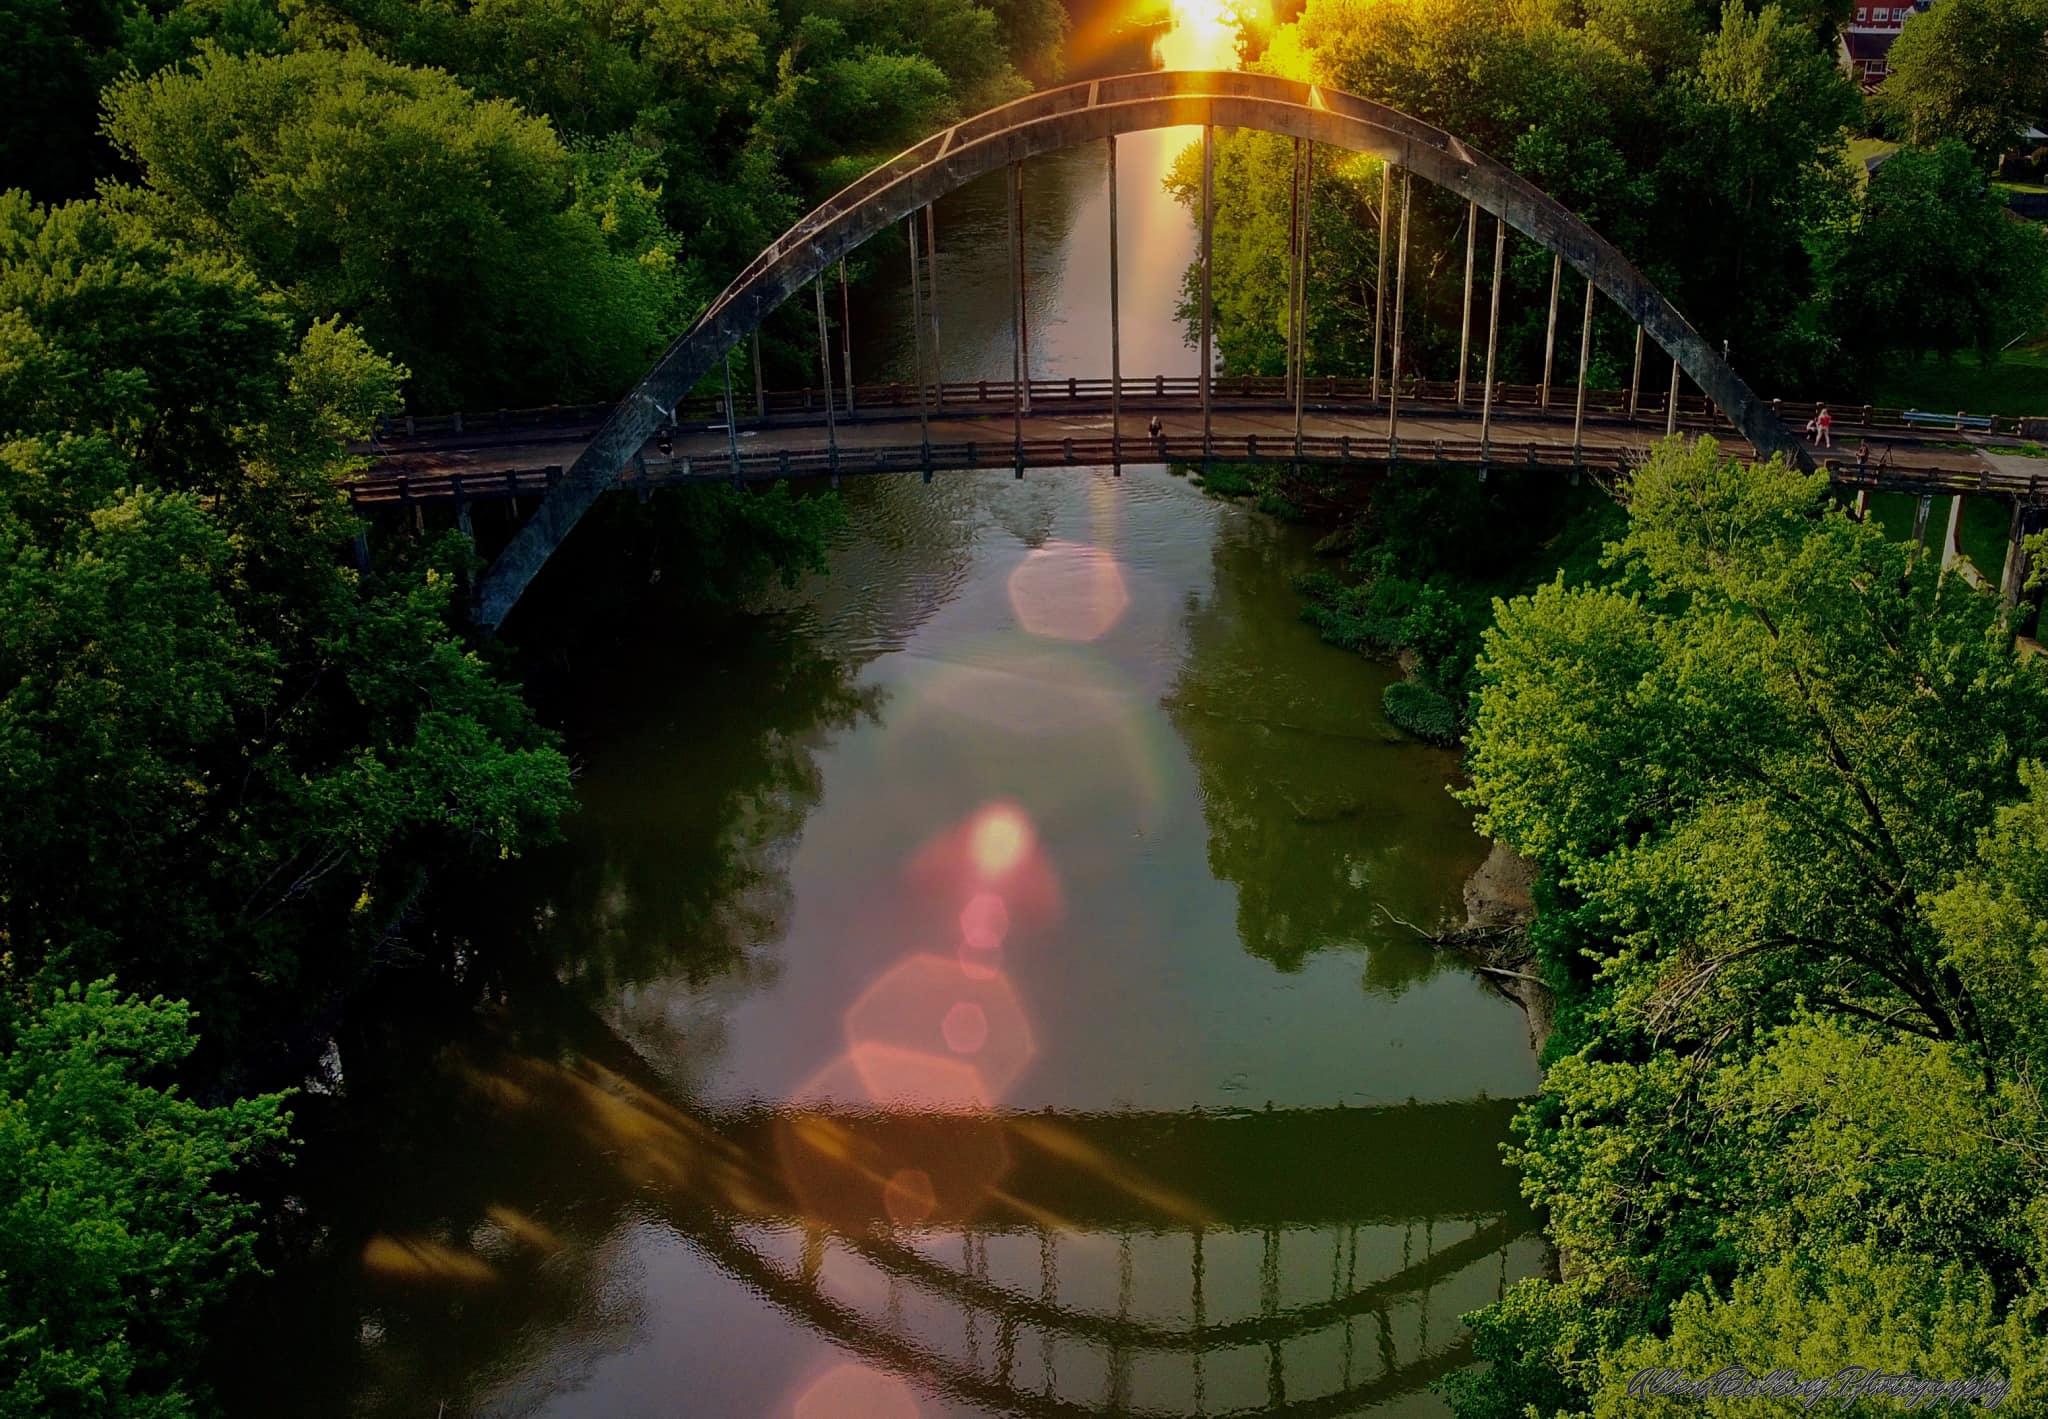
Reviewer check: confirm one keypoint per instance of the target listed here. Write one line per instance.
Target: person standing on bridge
(1823, 427)
(1156, 429)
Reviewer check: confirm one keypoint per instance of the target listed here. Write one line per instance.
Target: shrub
(1422, 712)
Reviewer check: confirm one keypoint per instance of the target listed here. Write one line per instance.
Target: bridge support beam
(1500, 251)
(1116, 344)
(846, 332)
(1400, 302)
(924, 417)
(1550, 331)
(1020, 390)
(2014, 575)
(1465, 325)
(1208, 271)
(732, 426)
(1585, 358)
(1671, 402)
(1379, 290)
(931, 305)
(1293, 262)
(1952, 545)
(1921, 508)
(1635, 380)
(760, 389)
(1308, 207)
(825, 375)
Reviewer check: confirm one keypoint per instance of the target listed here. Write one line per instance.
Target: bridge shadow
(1309, 1262)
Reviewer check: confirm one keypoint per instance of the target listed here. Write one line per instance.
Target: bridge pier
(2013, 577)
(1952, 545)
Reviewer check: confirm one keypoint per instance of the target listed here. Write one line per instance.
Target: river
(969, 989)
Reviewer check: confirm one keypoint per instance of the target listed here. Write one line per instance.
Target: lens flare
(1068, 591)
(1206, 33)
(1000, 838)
(856, 1392)
(928, 1034)
(984, 921)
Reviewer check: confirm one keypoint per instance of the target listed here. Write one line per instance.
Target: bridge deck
(1064, 430)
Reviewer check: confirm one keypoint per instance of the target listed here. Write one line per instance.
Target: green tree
(445, 228)
(209, 730)
(1975, 71)
(1933, 262)
(115, 1234)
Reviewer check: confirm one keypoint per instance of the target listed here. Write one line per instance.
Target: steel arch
(1063, 118)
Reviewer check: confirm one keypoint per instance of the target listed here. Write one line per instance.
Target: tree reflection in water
(1319, 811)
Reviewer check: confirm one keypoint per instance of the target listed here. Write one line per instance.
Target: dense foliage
(233, 233)
(1974, 72)
(114, 1237)
(1783, 787)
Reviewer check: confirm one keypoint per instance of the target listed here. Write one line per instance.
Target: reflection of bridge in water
(1299, 1262)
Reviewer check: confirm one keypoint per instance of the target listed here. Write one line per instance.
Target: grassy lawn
(1985, 523)
(2001, 185)
(2015, 383)
(1862, 150)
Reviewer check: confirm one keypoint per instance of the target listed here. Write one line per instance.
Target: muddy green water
(971, 990)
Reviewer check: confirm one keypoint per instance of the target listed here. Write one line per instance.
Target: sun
(1205, 33)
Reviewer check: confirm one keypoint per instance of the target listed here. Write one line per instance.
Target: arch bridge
(1100, 110)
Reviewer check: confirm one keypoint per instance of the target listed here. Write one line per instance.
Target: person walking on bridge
(1156, 429)
(1823, 427)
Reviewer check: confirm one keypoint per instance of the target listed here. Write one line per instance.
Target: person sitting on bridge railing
(1155, 428)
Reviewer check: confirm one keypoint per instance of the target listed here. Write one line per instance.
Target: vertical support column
(732, 425)
(1550, 334)
(1500, 251)
(825, 373)
(760, 389)
(1465, 325)
(1671, 402)
(1862, 510)
(924, 418)
(1208, 272)
(931, 305)
(1635, 380)
(1308, 209)
(1020, 338)
(1293, 259)
(1400, 302)
(1585, 358)
(846, 332)
(2014, 575)
(1116, 348)
(1921, 509)
(1952, 545)
(1379, 293)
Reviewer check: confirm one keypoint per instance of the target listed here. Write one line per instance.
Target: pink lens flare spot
(1068, 591)
(856, 1392)
(965, 1028)
(977, 964)
(985, 921)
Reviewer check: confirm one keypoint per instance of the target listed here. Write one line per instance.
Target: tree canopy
(1971, 71)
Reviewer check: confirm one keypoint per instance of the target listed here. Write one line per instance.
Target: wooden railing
(751, 466)
(1321, 390)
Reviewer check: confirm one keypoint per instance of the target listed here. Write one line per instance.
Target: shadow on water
(1295, 1262)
